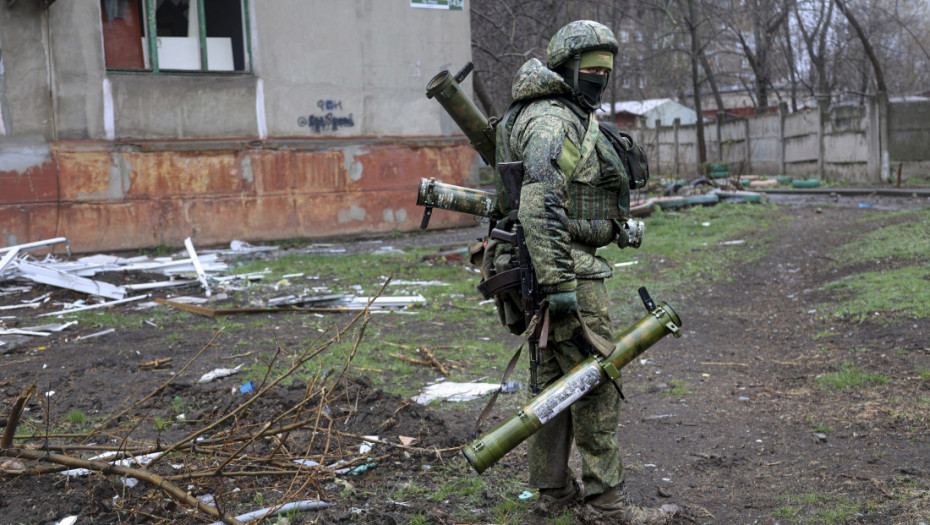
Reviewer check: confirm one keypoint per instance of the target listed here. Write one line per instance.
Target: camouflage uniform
(575, 191)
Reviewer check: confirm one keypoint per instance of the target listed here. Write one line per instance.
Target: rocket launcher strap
(602, 345)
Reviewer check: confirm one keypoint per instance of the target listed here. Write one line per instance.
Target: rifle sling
(538, 329)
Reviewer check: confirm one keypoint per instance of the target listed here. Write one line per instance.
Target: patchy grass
(907, 239)
(818, 508)
(679, 388)
(883, 295)
(901, 283)
(76, 417)
(850, 376)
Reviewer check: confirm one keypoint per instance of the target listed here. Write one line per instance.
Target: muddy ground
(728, 421)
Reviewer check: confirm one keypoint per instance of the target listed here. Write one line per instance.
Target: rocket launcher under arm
(486, 450)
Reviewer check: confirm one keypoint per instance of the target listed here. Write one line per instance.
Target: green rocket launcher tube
(486, 450)
(435, 194)
(445, 88)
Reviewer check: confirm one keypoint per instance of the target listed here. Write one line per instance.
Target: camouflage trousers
(592, 421)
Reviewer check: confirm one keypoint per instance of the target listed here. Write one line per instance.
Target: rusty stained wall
(123, 200)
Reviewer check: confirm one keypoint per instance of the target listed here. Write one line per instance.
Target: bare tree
(814, 22)
(756, 28)
(506, 33)
(866, 44)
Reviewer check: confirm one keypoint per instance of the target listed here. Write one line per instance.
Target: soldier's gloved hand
(563, 304)
(630, 233)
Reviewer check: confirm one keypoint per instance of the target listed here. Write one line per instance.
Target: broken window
(176, 35)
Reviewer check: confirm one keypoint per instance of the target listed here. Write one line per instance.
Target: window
(626, 82)
(639, 36)
(176, 35)
(642, 82)
(624, 36)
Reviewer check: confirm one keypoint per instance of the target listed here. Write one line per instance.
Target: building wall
(122, 160)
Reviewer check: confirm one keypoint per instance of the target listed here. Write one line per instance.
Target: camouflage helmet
(578, 37)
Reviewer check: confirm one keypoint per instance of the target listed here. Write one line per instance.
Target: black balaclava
(587, 88)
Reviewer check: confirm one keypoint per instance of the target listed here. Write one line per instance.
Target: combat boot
(553, 501)
(614, 506)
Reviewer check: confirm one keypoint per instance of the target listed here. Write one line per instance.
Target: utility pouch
(632, 154)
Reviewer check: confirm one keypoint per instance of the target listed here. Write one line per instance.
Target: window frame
(150, 45)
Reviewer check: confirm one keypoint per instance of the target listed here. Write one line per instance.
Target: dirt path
(742, 444)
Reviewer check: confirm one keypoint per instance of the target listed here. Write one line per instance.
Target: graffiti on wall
(328, 121)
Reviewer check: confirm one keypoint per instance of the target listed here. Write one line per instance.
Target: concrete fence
(863, 144)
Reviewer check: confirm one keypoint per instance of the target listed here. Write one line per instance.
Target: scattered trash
(247, 388)
(366, 447)
(418, 283)
(217, 373)
(525, 495)
(865, 204)
(201, 275)
(98, 334)
(129, 461)
(660, 416)
(448, 391)
(70, 520)
(61, 279)
(731, 243)
(628, 263)
(296, 506)
(362, 468)
(406, 440)
(95, 306)
(511, 386)
(242, 246)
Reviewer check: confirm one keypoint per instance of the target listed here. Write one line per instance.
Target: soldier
(574, 197)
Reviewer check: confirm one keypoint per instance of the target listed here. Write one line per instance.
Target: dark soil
(752, 438)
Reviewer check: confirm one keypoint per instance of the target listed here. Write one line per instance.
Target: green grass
(76, 417)
(850, 376)
(907, 239)
(823, 428)
(898, 287)
(882, 295)
(924, 373)
(817, 508)
(679, 388)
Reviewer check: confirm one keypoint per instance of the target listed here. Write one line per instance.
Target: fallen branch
(106, 468)
(433, 361)
(155, 364)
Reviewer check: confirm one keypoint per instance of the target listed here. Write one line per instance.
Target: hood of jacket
(535, 80)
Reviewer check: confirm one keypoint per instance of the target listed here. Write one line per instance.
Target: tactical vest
(622, 165)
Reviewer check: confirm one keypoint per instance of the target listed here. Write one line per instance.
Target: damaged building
(134, 123)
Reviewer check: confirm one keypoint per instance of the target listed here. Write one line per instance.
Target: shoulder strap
(505, 126)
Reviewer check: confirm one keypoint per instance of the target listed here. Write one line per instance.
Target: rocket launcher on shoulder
(554, 399)
(445, 89)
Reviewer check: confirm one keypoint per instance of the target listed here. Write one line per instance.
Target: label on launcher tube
(566, 393)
